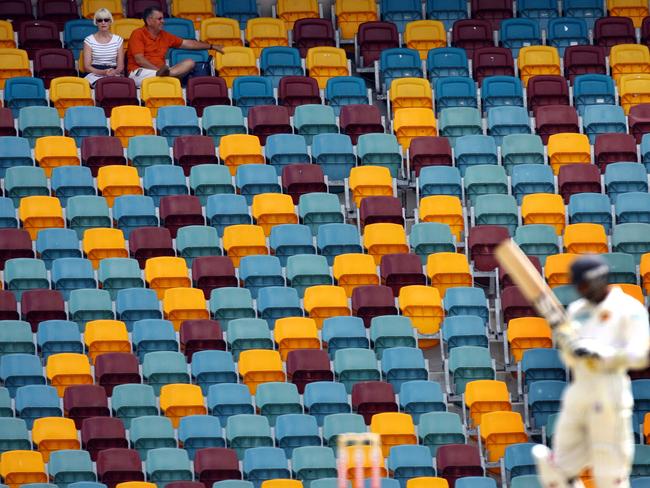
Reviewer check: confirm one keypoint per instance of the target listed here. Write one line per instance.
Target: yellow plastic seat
(104, 336)
(635, 291)
(369, 462)
(244, 240)
(125, 27)
(194, 10)
(13, 62)
(634, 89)
(644, 271)
(184, 303)
(484, 396)
(413, 122)
(585, 238)
(424, 35)
(367, 181)
(40, 212)
(537, 60)
(291, 333)
(634, 9)
(100, 244)
(238, 149)
(445, 209)
(53, 151)
(291, 10)
(354, 269)
(180, 400)
(136, 484)
(164, 272)
(67, 369)
(325, 62)
(394, 429)
(381, 239)
(427, 482)
(448, 270)
(89, 7)
(221, 30)
(115, 180)
(236, 61)
(162, 91)
(557, 269)
(129, 120)
(499, 430)
(544, 208)
(323, 301)
(528, 333)
(7, 38)
(281, 483)
(629, 59)
(350, 14)
(568, 148)
(257, 366)
(271, 209)
(54, 434)
(70, 91)
(411, 93)
(19, 468)
(423, 305)
(264, 32)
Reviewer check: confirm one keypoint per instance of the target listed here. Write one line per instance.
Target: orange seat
(350, 14)
(264, 32)
(13, 62)
(427, 482)
(499, 430)
(585, 238)
(40, 212)
(238, 149)
(412, 122)
(366, 181)
(116, 180)
(125, 27)
(528, 333)
(221, 30)
(324, 62)
(369, 462)
(70, 91)
(484, 396)
(394, 429)
(244, 240)
(180, 400)
(637, 10)
(271, 209)
(644, 271)
(184, 303)
(7, 35)
(424, 35)
(89, 7)
(354, 269)
(382, 239)
(422, 304)
(19, 468)
(194, 10)
(53, 151)
(291, 333)
(323, 301)
(291, 10)
(101, 243)
(128, 121)
(164, 272)
(236, 61)
(257, 366)
(162, 91)
(66, 369)
(448, 270)
(633, 290)
(557, 269)
(544, 208)
(54, 434)
(104, 336)
(634, 89)
(444, 209)
(538, 60)
(568, 148)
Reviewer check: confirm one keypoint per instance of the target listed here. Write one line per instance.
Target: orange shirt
(153, 48)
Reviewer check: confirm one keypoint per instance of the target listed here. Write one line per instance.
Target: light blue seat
(398, 63)
(593, 89)
(233, 484)
(391, 331)
(275, 302)
(274, 399)
(401, 12)
(151, 335)
(623, 178)
(590, 207)
(57, 243)
(133, 304)
(14, 435)
(176, 55)
(57, 336)
(323, 398)
(279, 61)
(475, 482)
(622, 267)
(70, 181)
(176, 120)
(353, 365)
(542, 364)
(402, 364)
(633, 238)
(80, 122)
(15, 151)
(226, 209)
(343, 333)
(119, 273)
(258, 271)
(183, 28)
(245, 432)
(544, 399)
(440, 180)
(531, 178)
(265, 463)
(199, 432)
(406, 462)
(431, 237)
(130, 401)
(226, 399)
(22, 274)
(380, 150)
(496, 210)
(540, 10)
(231, 303)
(334, 154)
(71, 274)
(503, 121)
(641, 461)
(464, 330)
(518, 460)
(499, 91)
(35, 401)
(602, 119)
(316, 209)
(284, 149)
(144, 151)
(640, 482)
(249, 91)
(526, 481)
(335, 239)
(164, 367)
(448, 12)
(16, 337)
(221, 120)
(455, 122)
(25, 181)
(469, 363)
(241, 11)
(312, 119)
(312, 463)
(290, 239)
(74, 33)
(194, 241)
(520, 32)
(211, 179)
(418, 397)
(345, 90)
(89, 304)
(439, 428)
(589, 10)
(447, 61)
(70, 466)
(293, 431)
(474, 150)
(35, 122)
(539, 240)
(645, 150)
(455, 91)
(247, 333)
(24, 91)
(87, 212)
(521, 149)
(211, 368)
(466, 301)
(18, 370)
(341, 423)
(161, 180)
(484, 179)
(633, 207)
(305, 270)
(253, 179)
(564, 32)
(167, 464)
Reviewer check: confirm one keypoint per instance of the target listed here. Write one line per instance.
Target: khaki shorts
(141, 74)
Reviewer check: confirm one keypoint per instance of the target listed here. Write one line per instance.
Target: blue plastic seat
(279, 61)
(305, 270)
(245, 432)
(602, 119)
(211, 179)
(518, 460)
(401, 12)
(231, 303)
(455, 91)
(343, 333)
(497, 91)
(632, 238)
(119, 273)
(622, 267)
(466, 301)
(23, 91)
(469, 363)
(70, 466)
(475, 482)
(199, 432)
(544, 398)
(35, 401)
(345, 90)
(496, 210)
(455, 122)
(14, 435)
(540, 10)
(623, 178)
(354, 365)
(296, 430)
(224, 210)
(162, 180)
(274, 399)
(74, 33)
(87, 212)
(440, 180)
(176, 55)
(284, 149)
(593, 89)
(517, 33)
(258, 271)
(464, 330)
(176, 120)
(70, 181)
(406, 462)
(448, 11)
(447, 61)
(641, 394)
(248, 333)
(71, 274)
(564, 32)
(130, 401)
(133, 304)
(147, 150)
(275, 302)
(56, 336)
(417, 397)
(211, 368)
(35, 122)
(323, 398)
(527, 481)
(503, 121)
(589, 10)
(398, 63)
(431, 237)
(15, 151)
(521, 149)
(22, 274)
(334, 154)
(8, 214)
(253, 179)
(226, 399)
(633, 207)
(150, 335)
(89, 304)
(474, 150)
(402, 364)
(183, 28)
(542, 364)
(249, 91)
(312, 463)
(24, 181)
(167, 464)
(531, 178)
(80, 122)
(18, 370)
(265, 463)
(335, 239)
(640, 482)
(290, 239)
(241, 11)
(590, 207)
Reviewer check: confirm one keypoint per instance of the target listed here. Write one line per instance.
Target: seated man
(148, 47)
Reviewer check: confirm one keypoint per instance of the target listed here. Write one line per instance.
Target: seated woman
(103, 50)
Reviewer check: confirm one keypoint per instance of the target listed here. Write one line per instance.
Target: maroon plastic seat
(16, 11)
(210, 272)
(57, 11)
(215, 464)
(177, 211)
(115, 91)
(38, 34)
(472, 34)
(118, 465)
(149, 242)
(369, 301)
(308, 365)
(493, 11)
(311, 33)
(504, 278)
(99, 433)
(429, 151)
(609, 31)
(39, 305)
(580, 60)
(298, 179)
(52, 63)
(191, 151)
(203, 91)
(356, 120)
(135, 8)
(265, 120)
(14, 243)
(455, 461)
(515, 305)
(373, 38)
(645, 31)
(201, 335)
(613, 148)
(492, 61)
(398, 270)
(98, 151)
(376, 209)
(553, 119)
(578, 178)
(482, 241)
(298, 90)
(116, 368)
(371, 397)
(6, 122)
(8, 306)
(547, 90)
(639, 121)
(85, 401)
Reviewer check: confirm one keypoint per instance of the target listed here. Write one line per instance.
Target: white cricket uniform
(594, 428)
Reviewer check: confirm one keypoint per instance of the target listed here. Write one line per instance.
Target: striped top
(104, 54)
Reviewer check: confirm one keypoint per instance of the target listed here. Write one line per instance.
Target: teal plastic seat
(544, 398)
(25, 181)
(542, 364)
(590, 207)
(87, 212)
(228, 399)
(503, 121)
(603, 119)
(344, 333)
(475, 150)
(224, 210)
(163, 367)
(310, 120)
(118, 274)
(151, 432)
(85, 305)
(221, 120)
(521, 149)
(632, 239)
(14, 435)
(316, 209)
(324, 398)
(566, 294)
(408, 461)
(133, 400)
(464, 330)
(248, 333)
(16, 337)
(484, 179)
(341, 423)
(461, 300)
(429, 238)
(70, 466)
(176, 120)
(167, 464)
(264, 463)
(227, 304)
(21, 274)
(150, 335)
(476, 482)
(353, 365)
(398, 63)
(402, 364)
(80, 122)
(35, 122)
(380, 150)
(310, 463)
(233, 484)
(193, 241)
(417, 397)
(526, 481)
(15, 151)
(144, 151)
(7, 214)
(245, 431)
(274, 399)
(496, 210)
(622, 267)
(623, 178)
(294, 431)
(439, 180)
(391, 331)
(633, 207)
(284, 149)
(6, 410)
(456, 122)
(531, 178)
(212, 368)
(210, 179)
(305, 270)
(539, 240)
(644, 147)
(163, 180)
(250, 91)
(439, 428)
(335, 239)
(200, 432)
(57, 336)
(469, 363)
(518, 460)
(327, 483)
(134, 211)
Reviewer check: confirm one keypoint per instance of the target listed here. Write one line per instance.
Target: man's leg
(181, 69)
(141, 74)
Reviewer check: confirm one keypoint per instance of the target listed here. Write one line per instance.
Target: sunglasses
(102, 20)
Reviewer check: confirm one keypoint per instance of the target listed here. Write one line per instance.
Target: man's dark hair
(150, 10)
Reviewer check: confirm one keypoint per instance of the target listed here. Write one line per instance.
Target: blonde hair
(102, 13)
